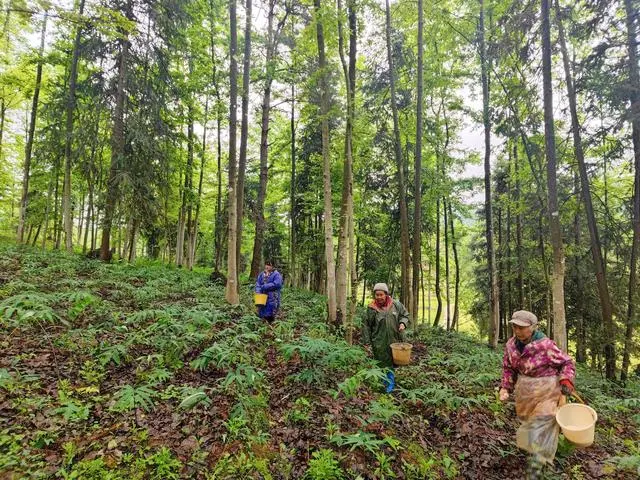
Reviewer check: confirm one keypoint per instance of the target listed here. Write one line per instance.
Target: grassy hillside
(131, 372)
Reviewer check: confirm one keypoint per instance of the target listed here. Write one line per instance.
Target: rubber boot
(390, 382)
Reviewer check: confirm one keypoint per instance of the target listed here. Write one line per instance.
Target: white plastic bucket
(578, 423)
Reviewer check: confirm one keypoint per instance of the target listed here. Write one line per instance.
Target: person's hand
(258, 290)
(504, 395)
(402, 327)
(566, 387)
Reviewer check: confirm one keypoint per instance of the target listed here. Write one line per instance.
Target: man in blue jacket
(270, 282)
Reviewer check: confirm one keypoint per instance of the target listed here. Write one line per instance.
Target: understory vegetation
(121, 371)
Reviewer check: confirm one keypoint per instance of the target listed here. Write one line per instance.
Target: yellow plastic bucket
(260, 298)
(578, 423)
(401, 352)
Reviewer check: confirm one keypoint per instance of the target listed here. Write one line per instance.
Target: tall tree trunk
(345, 240)
(244, 129)
(32, 128)
(596, 248)
(184, 221)
(559, 324)
(47, 210)
(405, 260)
(500, 267)
(3, 113)
(81, 214)
(446, 260)
(293, 262)
(436, 321)
(117, 143)
(91, 177)
(326, 160)
(218, 236)
(193, 236)
(417, 213)
(189, 224)
(68, 142)
(494, 296)
(352, 247)
(634, 101)
(581, 344)
(231, 292)
(56, 216)
(454, 244)
(429, 278)
(519, 248)
(258, 239)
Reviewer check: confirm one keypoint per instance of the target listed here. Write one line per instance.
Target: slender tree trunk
(429, 278)
(417, 215)
(502, 331)
(3, 112)
(345, 240)
(326, 160)
(634, 101)
(90, 187)
(47, 210)
(446, 260)
(559, 324)
(494, 297)
(436, 321)
(405, 260)
(231, 293)
(454, 244)
(193, 237)
(184, 221)
(31, 132)
(68, 144)
(293, 263)
(35, 238)
(189, 224)
(244, 129)
(56, 221)
(218, 237)
(596, 246)
(258, 239)
(81, 214)
(581, 344)
(117, 144)
(508, 293)
(519, 248)
(88, 219)
(353, 254)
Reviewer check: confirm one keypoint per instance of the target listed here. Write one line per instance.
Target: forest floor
(113, 371)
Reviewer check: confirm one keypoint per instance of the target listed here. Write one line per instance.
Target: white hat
(381, 286)
(523, 318)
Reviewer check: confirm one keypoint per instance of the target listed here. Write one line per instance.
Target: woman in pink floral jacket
(538, 373)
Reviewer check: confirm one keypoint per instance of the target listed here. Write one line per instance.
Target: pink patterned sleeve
(508, 372)
(563, 362)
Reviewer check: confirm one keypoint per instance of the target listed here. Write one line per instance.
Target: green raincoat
(380, 329)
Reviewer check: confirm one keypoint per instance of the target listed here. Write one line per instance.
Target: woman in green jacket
(384, 323)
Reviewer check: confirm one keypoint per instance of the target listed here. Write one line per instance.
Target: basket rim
(576, 405)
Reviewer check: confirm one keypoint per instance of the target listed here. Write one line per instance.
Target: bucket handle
(575, 395)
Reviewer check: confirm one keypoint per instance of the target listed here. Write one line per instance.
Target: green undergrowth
(117, 371)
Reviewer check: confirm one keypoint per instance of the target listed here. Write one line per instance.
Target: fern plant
(221, 355)
(130, 397)
(324, 465)
(116, 354)
(26, 308)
